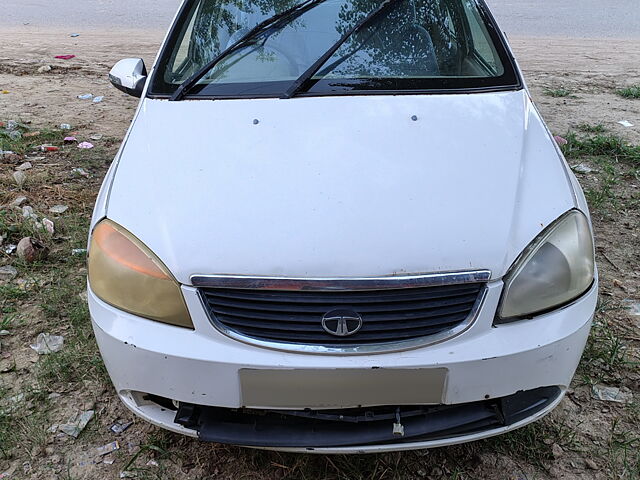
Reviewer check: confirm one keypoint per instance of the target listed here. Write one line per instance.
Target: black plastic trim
(360, 426)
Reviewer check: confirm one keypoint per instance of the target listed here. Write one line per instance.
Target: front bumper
(204, 367)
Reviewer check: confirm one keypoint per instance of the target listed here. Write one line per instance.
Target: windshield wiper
(299, 84)
(273, 23)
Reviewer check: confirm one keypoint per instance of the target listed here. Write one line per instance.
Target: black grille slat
(369, 327)
(313, 318)
(362, 308)
(388, 315)
(381, 296)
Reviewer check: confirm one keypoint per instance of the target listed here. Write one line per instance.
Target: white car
(338, 226)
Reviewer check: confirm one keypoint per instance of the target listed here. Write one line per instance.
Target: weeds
(629, 92)
(559, 93)
(588, 128)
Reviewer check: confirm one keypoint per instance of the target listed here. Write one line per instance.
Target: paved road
(566, 18)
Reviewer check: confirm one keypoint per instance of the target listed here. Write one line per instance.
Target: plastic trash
(80, 171)
(20, 177)
(120, 427)
(79, 251)
(24, 166)
(59, 209)
(7, 272)
(49, 148)
(108, 448)
(46, 343)
(560, 140)
(625, 123)
(86, 96)
(74, 35)
(612, 394)
(96, 137)
(98, 99)
(65, 57)
(70, 139)
(85, 145)
(582, 168)
(44, 69)
(75, 426)
(65, 126)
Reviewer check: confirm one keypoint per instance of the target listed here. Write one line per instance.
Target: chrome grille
(388, 315)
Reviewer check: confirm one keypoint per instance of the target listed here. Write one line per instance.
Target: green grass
(609, 146)
(559, 93)
(588, 128)
(629, 92)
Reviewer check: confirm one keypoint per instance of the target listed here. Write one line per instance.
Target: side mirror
(129, 75)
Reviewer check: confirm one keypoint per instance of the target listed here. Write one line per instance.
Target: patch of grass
(588, 128)
(629, 92)
(22, 140)
(23, 422)
(559, 93)
(601, 145)
(623, 451)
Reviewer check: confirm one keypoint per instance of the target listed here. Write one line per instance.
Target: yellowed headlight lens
(124, 273)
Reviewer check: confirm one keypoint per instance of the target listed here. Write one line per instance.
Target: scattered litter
(85, 145)
(152, 463)
(24, 166)
(120, 427)
(79, 251)
(612, 394)
(53, 396)
(75, 426)
(108, 448)
(83, 296)
(4, 333)
(6, 152)
(58, 209)
(583, 168)
(15, 134)
(30, 250)
(86, 96)
(70, 139)
(98, 99)
(5, 92)
(108, 460)
(7, 272)
(49, 226)
(31, 134)
(36, 159)
(44, 69)
(560, 140)
(625, 123)
(65, 57)
(46, 343)
(9, 249)
(20, 177)
(49, 148)
(74, 35)
(80, 171)
(65, 126)
(96, 137)
(4, 475)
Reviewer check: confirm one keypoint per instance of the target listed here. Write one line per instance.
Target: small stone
(590, 464)
(30, 250)
(49, 226)
(7, 272)
(556, 450)
(27, 212)
(4, 333)
(58, 209)
(44, 69)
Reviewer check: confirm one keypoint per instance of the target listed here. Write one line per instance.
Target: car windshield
(411, 45)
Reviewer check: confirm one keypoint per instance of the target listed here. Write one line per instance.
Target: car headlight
(556, 268)
(124, 273)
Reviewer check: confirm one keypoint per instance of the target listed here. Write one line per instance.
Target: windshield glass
(412, 45)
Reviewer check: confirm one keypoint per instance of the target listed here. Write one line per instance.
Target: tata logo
(341, 323)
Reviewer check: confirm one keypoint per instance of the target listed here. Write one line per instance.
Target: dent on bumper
(202, 366)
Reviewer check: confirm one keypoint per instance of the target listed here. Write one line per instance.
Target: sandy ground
(590, 69)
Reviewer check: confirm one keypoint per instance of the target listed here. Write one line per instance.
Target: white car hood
(339, 186)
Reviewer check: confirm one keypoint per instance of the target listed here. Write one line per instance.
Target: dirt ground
(574, 84)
